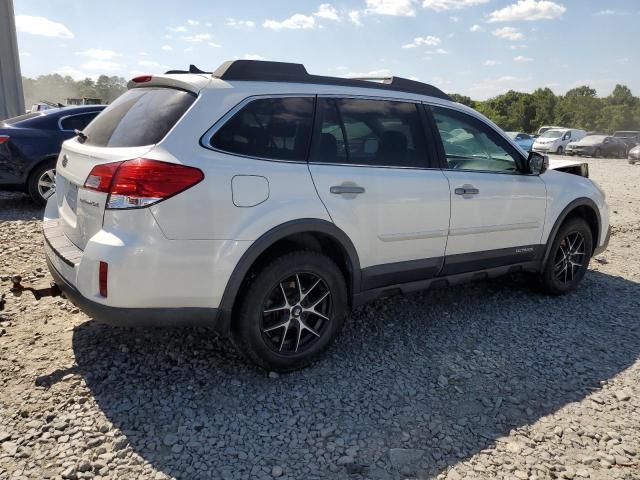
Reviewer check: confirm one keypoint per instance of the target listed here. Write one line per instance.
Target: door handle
(346, 189)
(467, 190)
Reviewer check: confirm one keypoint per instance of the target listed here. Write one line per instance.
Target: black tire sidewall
(32, 183)
(549, 281)
(246, 331)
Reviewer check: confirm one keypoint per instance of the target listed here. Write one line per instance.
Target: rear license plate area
(71, 196)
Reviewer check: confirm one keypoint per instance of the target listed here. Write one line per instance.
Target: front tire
(569, 257)
(291, 311)
(597, 153)
(42, 182)
(560, 151)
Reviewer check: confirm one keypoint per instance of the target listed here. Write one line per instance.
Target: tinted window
(369, 132)
(274, 128)
(77, 122)
(469, 144)
(21, 118)
(141, 116)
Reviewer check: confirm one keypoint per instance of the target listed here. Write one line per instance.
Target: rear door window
(77, 122)
(369, 132)
(141, 116)
(270, 128)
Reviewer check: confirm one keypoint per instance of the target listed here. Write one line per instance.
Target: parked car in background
(631, 138)
(599, 146)
(29, 147)
(557, 139)
(544, 128)
(634, 155)
(266, 202)
(524, 140)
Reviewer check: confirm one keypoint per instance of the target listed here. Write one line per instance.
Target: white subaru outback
(266, 202)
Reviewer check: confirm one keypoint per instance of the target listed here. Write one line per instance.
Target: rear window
(21, 118)
(141, 116)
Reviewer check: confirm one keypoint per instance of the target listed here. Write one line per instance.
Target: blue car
(523, 140)
(29, 147)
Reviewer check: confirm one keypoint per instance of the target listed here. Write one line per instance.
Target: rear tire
(568, 259)
(42, 182)
(291, 311)
(597, 153)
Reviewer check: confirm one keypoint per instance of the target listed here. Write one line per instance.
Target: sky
(479, 48)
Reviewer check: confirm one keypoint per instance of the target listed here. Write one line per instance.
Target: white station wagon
(266, 203)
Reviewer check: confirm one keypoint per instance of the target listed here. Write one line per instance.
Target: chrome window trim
(72, 115)
(476, 115)
(205, 139)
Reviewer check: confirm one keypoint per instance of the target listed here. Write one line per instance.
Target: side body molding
(304, 225)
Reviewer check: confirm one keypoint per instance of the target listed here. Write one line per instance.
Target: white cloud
(518, 47)
(494, 86)
(607, 13)
(522, 59)
(71, 72)
(327, 12)
(193, 22)
(235, 23)
(98, 54)
(509, 33)
(429, 41)
(621, 61)
(383, 72)
(167, 48)
(528, 10)
(439, 51)
(354, 16)
(200, 37)
(143, 54)
(25, 54)
(188, 49)
(440, 5)
(214, 45)
(490, 63)
(148, 63)
(396, 8)
(42, 26)
(178, 29)
(253, 56)
(208, 24)
(476, 28)
(454, 18)
(101, 65)
(296, 21)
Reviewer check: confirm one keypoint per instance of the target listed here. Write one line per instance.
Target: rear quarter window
(141, 116)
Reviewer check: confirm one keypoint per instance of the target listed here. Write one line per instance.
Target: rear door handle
(346, 189)
(467, 190)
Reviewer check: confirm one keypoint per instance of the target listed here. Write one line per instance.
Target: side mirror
(537, 163)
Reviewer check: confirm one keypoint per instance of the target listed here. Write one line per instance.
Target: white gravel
(484, 380)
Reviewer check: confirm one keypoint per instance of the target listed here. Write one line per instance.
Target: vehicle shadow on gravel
(17, 206)
(445, 372)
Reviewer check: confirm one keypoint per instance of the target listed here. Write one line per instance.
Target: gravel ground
(484, 380)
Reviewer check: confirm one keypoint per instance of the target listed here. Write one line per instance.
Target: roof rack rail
(192, 69)
(264, 71)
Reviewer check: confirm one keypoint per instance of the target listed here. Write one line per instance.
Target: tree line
(512, 111)
(56, 88)
(578, 108)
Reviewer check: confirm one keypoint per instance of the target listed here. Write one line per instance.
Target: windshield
(551, 134)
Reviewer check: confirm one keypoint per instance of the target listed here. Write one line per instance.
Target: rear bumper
(135, 317)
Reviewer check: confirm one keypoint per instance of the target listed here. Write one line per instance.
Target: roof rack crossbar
(264, 71)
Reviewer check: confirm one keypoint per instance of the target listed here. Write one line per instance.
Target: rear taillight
(100, 177)
(4, 139)
(141, 182)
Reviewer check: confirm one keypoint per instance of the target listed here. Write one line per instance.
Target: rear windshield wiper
(82, 137)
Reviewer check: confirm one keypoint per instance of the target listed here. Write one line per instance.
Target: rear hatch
(126, 130)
